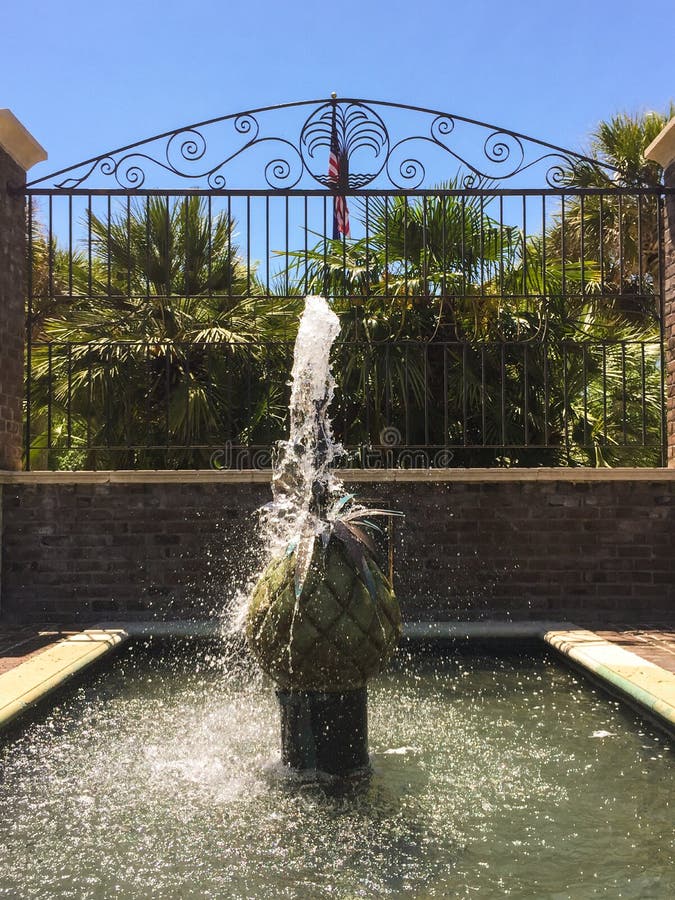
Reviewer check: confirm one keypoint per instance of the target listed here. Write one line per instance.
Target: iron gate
(500, 297)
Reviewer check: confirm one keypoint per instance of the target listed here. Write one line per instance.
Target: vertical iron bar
(366, 388)
(50, 389)
(186, 251)
(286, 249)
(387, 384)
(147, 248)
(90, 278)
(526, 397)
(209, 248)
(70, 244)
(621, 246)
(501, 245)
(69, 398)
(660, 221)
(582, 248)
(601, 207)
(444, 248)
(367, 226)
(584, 351)
(624, 391)
(128, 229)
(463, 247)
(643, 374)
(563, 246)
(230, 259)
(604, 392)
(544, 346)
(267, 246)
(167, 396)
(544, 273)
(405, 248)
(109, 247)
(482, 246)
(90, 399)
(306, 234)
(29, 323)
(425, 350)
(639, 241)
(425, 261)
(446, 424)
(483, 395)
(188, 417)
(386, 247)
(465, 395)
(502, 379)
(565, 403)
(407, 396)
(167, 251)
(148, 392)
(525, 287)
(248, 247)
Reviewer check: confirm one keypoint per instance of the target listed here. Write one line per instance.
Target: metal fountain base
(324, 731)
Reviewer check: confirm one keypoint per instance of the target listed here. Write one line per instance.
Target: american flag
(337, 175)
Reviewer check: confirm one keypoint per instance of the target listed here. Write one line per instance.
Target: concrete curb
(641, 683)
(27, 683)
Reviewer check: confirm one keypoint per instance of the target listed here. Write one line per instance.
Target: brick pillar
(18, 152)
(662, 151)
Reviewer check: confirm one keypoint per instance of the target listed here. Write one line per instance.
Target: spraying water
(303, 483)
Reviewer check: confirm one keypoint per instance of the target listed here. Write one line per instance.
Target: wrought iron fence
(482, 324)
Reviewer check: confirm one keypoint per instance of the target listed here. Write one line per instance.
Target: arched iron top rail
(373, 154)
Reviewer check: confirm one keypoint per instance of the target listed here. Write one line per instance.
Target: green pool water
(492, 777)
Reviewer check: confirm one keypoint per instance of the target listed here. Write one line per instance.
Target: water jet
(323, 617)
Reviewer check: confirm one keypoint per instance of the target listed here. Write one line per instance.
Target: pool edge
(645, 686)
(29, 682)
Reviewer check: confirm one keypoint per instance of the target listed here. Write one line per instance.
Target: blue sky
(86, 77)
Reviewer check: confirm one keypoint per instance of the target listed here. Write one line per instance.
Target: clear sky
(87, 76)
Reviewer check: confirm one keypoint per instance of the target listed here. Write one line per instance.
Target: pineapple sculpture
(334, 627)
(322, 618)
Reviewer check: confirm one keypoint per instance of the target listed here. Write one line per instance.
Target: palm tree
(159, 341)
(461, 331)
(621, 230)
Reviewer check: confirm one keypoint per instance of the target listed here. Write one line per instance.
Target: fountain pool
(491, 777)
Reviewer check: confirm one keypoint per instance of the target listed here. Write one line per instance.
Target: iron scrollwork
(202, 153)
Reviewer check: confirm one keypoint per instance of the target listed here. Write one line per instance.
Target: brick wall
(588, 552)
(12, 262)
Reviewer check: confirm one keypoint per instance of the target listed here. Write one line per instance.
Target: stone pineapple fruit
(336, 635)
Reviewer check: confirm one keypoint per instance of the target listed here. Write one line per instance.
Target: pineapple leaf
(342, 502)
(361, 536)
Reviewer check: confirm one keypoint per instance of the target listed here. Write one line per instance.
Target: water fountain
(322, 617)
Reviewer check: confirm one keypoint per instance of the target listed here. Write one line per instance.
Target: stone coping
(18, 142)
(30, 681)
(383, 476)
(662, 148)
(643, 684)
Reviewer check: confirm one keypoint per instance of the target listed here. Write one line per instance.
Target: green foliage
(158, 341)
(458, 328)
